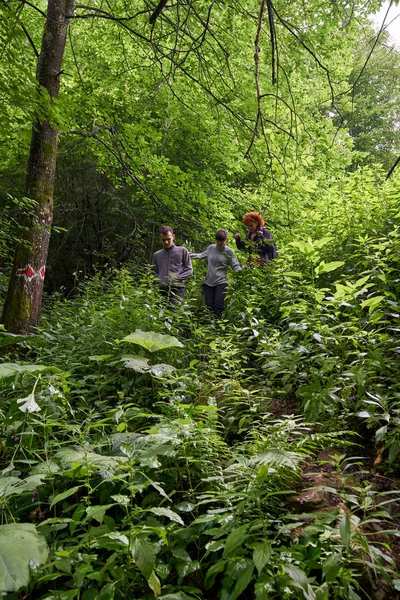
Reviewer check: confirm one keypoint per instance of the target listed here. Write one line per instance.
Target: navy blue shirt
(262, 244)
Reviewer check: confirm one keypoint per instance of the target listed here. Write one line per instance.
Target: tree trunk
(22, 308)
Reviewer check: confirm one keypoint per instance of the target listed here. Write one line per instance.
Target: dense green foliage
(148, 453)
(142, 446)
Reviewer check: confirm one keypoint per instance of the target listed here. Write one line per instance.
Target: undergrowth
(148, 453)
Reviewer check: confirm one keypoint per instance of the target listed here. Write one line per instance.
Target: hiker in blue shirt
(258, 242)
(219, 257)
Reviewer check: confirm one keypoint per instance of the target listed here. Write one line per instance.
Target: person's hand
(237, 236)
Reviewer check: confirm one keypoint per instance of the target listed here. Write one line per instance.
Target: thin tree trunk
(22, 308)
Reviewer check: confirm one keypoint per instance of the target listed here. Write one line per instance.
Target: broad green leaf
(9, 486)
(135, 362)
(106, 592)
(166, 512)
(144, 554)
(361, 282)
(372, 303)
(261, 556)
(299, 580)
(235, 539)
(380, 433)
(54, 521)
(326, 267)
(185, 568)
(297, 576)
(81, 456)
(47, 467)
(13, 485)
(243, 581)
(394, 450)
(152, 341)
(65, 495)
(7, 369)
(154, 584)
(116, 536)
(97, 512)
(8, 339)
(213, 572)
(21, 548)
(331, 566)
(161, 370)
(322, 592)
(121, 499)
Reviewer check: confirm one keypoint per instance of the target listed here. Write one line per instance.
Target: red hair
(253, 216)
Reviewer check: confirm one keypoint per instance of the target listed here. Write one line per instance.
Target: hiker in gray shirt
(172, 266)
(219, 257)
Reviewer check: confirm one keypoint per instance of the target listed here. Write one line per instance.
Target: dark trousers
(214, 297)
(172, 294)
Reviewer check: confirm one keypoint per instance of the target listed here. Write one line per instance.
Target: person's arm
(200, 255)
(235, 264)
(155, 265)
(187, 268)
(240, 245)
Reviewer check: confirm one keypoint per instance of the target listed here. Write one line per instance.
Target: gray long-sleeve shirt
(172, 266)
(219, 259)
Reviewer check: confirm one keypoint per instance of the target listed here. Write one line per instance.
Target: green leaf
(8, 339)
(326, 267)
(394, 451)
(322, 592)
(97, 512)
(213, 572)
(20, 548)
(361, 282)
(235, 539)
(152, 341)
(65, 495)
(88, 459)
(298, 576)
(380, 433)
(7, 369)
(135, 362)
(144, 554)
(107, 592)
(331, 566)
(161, 370)
(154, 584)
(243, 581)
(261, 556)
(372, 303)
(345, 530)
(166, 512)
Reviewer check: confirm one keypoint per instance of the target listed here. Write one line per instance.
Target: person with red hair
(259, 241)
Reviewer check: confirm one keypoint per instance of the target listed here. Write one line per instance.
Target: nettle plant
(150, 342)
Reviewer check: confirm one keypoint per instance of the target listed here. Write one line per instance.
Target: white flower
(28, 404)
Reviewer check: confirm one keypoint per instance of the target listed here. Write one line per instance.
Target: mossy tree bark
(22, 308)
